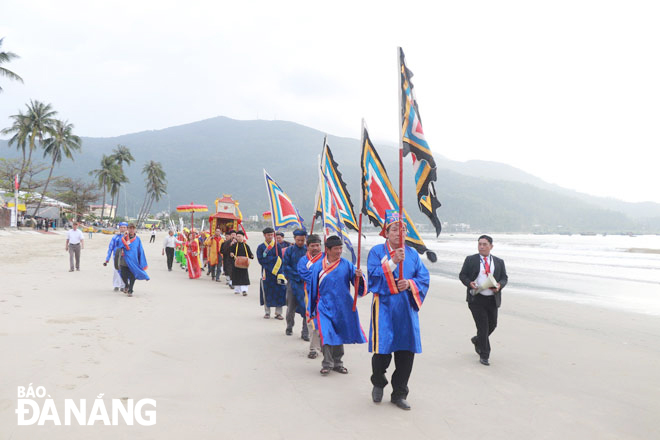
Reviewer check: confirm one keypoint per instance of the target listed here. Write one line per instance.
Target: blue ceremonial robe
(292, 256)
(305, 272)
(331, 302)
(134, 257)
(115, 244)
(394, 316)
(270, 293)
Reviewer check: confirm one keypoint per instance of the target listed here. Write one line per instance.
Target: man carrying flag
(394, 312)
(272, 292)
(314, 254)
(331, 304)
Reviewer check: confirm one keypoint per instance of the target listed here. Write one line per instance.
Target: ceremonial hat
(281, 234)
(299, 233)
(332, 241)
(123, 224)
(268, 230)
(391, 217)
(240, 233)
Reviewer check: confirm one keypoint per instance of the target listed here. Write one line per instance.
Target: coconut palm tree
(116, 180)
(30, 128)
(6, 57)
(122, 154)
(62, 143)
(104, 176)
(156, 185)
(20, 129)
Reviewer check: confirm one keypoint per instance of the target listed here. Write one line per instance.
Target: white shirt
(482, 277)
(74, 236)
(170, 241)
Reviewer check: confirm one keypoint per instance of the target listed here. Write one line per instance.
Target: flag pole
(16, 200)
(403, 245)
(272, 213)
(318, 187)
(359, 251)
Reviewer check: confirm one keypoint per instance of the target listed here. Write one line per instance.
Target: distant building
(96, 210)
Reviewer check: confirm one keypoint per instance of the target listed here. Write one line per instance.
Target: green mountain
(205, 159)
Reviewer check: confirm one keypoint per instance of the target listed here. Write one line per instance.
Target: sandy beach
(218, 370)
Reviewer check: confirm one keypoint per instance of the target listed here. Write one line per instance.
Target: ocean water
(613, 271)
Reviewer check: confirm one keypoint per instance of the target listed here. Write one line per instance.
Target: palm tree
(122, 155)
(6, 57)
(116, 180)
(104, 176)
(20, 129)
(30, 127)
(156, 186)
(62, 143)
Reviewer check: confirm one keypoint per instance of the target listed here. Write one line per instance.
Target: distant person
(314, 254)
(114, 250)
(193, 258)
(90, 230)
(132, 261)
(214, 254)
(281, 242)
(240, 274)
(273, 284)
(169, 245)
(295, 293)
(484, 304)
(153, 235)
(394, 312)
(331, 305)
(227, 260)
(74, 243)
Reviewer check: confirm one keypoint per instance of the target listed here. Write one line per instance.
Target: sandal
(280, 317)
(342, 370)
(267, 316)
(312, 354)
(325, 371)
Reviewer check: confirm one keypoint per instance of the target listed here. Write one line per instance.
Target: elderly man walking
(74, 243)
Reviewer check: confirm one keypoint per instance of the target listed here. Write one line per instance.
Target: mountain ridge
(207, 158)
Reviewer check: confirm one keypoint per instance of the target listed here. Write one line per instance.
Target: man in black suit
(484, 304)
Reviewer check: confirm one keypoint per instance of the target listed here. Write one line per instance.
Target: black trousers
(152, 239)
(169, 251)
(403, 363)
(484, 312)
(128, 278)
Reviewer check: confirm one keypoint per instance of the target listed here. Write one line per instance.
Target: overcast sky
(566, 90)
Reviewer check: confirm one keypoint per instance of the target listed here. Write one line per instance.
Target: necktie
(486, 266)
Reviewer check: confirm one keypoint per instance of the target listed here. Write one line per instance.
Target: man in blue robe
(394, 312)
(113, 251)
(132, 261)
(305, 264)
(331, 304)
(295, 293)
(272, 292)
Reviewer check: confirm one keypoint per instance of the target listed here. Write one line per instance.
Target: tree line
(37, 127)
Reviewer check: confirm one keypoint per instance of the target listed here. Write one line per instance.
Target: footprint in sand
(83, 376)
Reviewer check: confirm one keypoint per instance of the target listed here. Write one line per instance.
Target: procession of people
(312, 279)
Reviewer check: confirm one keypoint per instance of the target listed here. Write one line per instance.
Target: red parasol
(192, 209)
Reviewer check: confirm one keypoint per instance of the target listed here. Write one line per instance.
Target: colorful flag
(414, 142)
(333, 222)
(333, 178)
(378, 196)
(283, 211)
